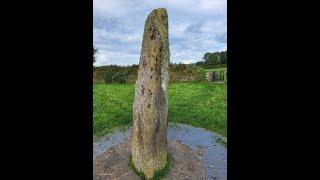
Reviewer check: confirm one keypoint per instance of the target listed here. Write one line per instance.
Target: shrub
(108, 77)
(119, 77)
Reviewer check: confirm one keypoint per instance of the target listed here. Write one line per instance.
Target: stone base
(113, 164)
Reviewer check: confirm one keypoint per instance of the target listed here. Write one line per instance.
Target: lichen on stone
(149, 138)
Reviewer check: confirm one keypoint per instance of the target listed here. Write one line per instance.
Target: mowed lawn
(198, 104)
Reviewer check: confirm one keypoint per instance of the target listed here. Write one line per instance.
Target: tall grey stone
(150, 110)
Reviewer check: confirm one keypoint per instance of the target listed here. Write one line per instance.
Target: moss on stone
(135, 170)
(163, 172)
(160, 174)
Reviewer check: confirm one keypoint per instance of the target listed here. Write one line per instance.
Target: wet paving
(204, 143)
(113, 164)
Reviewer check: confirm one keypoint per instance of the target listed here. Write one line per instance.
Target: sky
(195, 27)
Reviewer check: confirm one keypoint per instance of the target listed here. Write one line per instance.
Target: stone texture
(113, 164)
(150, 111)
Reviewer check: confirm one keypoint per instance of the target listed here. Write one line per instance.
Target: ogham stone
(149, 147)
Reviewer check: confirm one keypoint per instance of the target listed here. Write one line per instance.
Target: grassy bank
(199, 104)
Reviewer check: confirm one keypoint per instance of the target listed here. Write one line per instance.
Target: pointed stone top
(160, 11)
(159, 17)
(161, 14)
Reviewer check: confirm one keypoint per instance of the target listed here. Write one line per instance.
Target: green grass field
(199, 104)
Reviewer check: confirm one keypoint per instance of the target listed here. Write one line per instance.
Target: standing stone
(150, 111)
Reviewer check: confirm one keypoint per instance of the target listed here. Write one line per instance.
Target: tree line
(213, 60)
(178, 71)
(209, 60)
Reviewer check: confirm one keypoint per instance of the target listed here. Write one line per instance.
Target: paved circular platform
(203, 143)
(113, 164)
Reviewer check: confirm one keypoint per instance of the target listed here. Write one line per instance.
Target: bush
(202, 75)
(119, 77)
(115, 77)
(108, 77)
(177, 73)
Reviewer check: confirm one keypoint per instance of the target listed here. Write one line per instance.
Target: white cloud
(195, 27)
(187, 62)
(111, 57)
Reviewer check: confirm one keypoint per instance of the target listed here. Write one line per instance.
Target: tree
(199, 63)
(206, 57)
(212, 60)
(223, 57)
(95, 51)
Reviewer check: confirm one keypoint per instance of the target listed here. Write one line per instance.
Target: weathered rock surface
(150, 111)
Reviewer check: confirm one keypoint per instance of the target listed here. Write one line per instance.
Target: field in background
(177, 73)
(199, 104)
